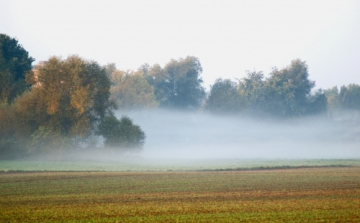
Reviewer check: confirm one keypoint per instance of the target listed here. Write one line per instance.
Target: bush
(121, 133)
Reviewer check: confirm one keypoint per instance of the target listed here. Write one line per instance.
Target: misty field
(327, 194)
(141, 164)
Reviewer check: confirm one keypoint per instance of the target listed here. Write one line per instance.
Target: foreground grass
(288, 195)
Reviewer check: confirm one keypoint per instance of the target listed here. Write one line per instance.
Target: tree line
(284, 93)
(67, 104)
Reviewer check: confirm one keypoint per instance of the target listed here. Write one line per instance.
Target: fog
(198, 135)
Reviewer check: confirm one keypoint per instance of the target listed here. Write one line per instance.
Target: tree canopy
(67, 103)
(224, 97)
(284, 93)
(130, 90)
(288, 90)
(121, 133)
(178, 84)
(15, 62)
(69, 97)
(349, 96)
(252, 90)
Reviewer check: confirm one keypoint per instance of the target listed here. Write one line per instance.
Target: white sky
(227, 36)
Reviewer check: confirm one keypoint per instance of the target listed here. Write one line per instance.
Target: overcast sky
(229, 37)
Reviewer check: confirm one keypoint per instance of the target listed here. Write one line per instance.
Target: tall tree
(68, 98)
(15, 62)
(67, 104)
(9, 143)
(178, 84)
(333, 103)
(251, 89)
(130, 90)
(224, 97)
(349, 97)
(288, 90)
(317, 103)
(109, 69)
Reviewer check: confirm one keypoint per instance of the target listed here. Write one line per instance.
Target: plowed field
(287, 195)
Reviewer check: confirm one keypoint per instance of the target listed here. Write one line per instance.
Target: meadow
(294, 194)
(130, 164)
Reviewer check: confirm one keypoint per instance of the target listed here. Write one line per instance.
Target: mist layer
(188, 135)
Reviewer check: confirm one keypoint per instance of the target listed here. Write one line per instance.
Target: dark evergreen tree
(15, 63)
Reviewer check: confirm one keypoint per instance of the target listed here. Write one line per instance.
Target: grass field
(140, 164)
(322, 194)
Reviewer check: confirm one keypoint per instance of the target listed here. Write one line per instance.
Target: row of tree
(63, 104)
(285, 93)
(176, 86)
(347, 98)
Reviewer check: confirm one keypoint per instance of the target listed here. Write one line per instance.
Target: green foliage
(68, 99)
(224, 97)
(109, 69)
(67, 102)
(15, 63)
(121, 133)
(297, 72)
(8, 147)
(285, 93)
(252, 90)
(349, 97)
(317, 103)
(333, 103)
(344, 104)
(130, 90)
(71, 95)
(288, 90)
(178, 84)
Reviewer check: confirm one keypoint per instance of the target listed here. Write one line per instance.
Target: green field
(321, 194)
(140, 164)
